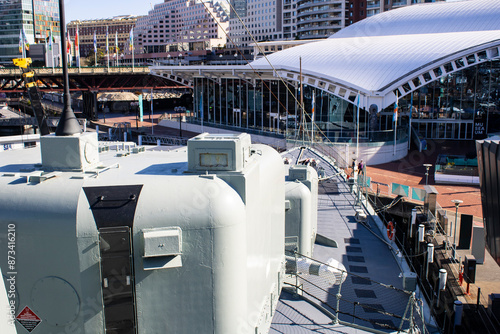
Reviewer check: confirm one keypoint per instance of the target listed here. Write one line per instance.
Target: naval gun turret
(115, 238)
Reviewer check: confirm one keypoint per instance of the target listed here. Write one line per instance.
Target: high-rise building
(262, 20)
(36, 17)
(182, 25)
(374, 7)
(320, 18)
(285, 20)
(356, 11)
(118, 28)
(280, 20)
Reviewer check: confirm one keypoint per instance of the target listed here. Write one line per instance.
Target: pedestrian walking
(360, 167)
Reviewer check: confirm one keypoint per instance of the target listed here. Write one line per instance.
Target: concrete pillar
(95, 105)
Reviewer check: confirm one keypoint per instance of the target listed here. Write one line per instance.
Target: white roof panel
(372, 63)
(429, 18)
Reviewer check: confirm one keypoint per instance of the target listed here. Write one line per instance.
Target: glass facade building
(365, 85)
(34, 16)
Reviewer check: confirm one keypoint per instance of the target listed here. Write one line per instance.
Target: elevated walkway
(361, 304)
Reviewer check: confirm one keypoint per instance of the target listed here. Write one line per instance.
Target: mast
(68, 124)
(302, 123)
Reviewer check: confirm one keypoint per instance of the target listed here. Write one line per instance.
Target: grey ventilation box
(218, 152)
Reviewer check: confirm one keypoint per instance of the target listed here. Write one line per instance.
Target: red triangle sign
(28, 319)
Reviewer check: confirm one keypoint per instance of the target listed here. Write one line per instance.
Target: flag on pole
(26, 43)
(107, 40)
(116, 43)
(68, 43)
(313, 105)
(76, 40)
(395, 115)
(20, 41)
(95, 43)
(77, 47)
(131, 40)
(50, 39)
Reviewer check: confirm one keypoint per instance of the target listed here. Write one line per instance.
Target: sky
(101, 9)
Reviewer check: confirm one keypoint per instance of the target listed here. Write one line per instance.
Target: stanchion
(442, 283)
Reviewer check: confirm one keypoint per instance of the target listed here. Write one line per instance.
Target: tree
(91, 57)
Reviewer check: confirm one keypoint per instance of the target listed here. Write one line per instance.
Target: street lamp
(427, 167)
(457, 202)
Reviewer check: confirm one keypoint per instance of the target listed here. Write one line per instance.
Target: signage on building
(479, 129)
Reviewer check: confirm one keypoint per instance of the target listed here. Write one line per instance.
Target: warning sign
(28, 319)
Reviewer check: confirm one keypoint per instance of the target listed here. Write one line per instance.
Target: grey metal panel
(481, 170)
(492, 200)
(495, 209)
(488, 154)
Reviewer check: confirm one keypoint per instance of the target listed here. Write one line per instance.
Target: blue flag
(95, 43)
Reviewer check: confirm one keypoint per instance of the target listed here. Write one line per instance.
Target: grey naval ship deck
(372, 298)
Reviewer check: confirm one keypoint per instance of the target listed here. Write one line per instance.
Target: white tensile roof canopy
(387, 55)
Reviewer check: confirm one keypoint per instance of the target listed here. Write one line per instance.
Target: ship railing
(396, 310)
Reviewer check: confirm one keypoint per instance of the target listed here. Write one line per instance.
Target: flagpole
(78, 48)
(152, 117)
(107, 46)
(395, 122)
(411, 110)
(312, 116)
(116, 49)
(132, 46)
(357, 128)
(95, 49)
(24, 45)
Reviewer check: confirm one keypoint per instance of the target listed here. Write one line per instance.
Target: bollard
(125, 136)
(430, 258)
(443, 274)
(158, 143)
(430, 253)
(442, 283)
(420, 237)
(140, 140)
(413, 220)
(109, 134)
(421, 232)
(458, 308)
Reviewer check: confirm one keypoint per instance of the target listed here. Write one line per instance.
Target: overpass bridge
(91, 79)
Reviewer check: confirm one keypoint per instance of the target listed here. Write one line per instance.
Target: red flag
(76, 41)
(68, 43)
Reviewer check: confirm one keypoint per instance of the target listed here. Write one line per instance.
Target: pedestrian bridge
(87, 79)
